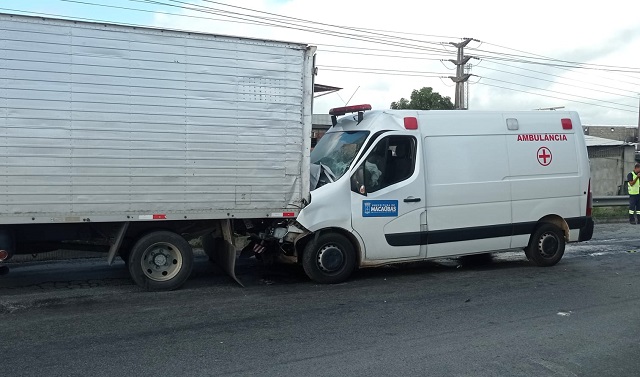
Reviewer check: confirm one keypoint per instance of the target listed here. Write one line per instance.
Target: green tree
(424, 99)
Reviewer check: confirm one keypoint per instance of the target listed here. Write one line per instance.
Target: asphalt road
(579, 318)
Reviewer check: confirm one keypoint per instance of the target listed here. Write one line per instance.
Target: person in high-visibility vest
(633, 182)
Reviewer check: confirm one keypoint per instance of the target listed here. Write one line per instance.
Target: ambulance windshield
(336, 150)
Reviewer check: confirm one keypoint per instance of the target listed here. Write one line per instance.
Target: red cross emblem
(544, 156)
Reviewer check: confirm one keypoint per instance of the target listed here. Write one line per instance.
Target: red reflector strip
(411, 123)
(567, 124)
(159, 217)
(288, 214)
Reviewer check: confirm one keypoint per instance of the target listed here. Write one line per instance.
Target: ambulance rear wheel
(546, 247)
(330, 259)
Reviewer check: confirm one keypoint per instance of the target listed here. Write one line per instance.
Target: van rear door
(544, 171)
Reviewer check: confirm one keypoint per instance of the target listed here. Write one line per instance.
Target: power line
(380, 69)
(556, 82)
(282, 24)
(260, 24)
(375, 32)
(521, 51)
(382, 55)
(579, 64)
(412, 73)
(622, 70)
(554, 75)
(160, 12)
(564, 69)
(383, 73)
(257, 23)
(560, 98)
(331, 33)
(225, 13)
(554, 91)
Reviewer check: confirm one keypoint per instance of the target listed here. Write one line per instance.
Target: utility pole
(460, 78)
(467, 71)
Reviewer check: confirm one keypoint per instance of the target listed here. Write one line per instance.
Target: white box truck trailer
(138, 139)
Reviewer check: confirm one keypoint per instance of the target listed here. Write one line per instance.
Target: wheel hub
(161, 261)
(548, 245)
(330, 258)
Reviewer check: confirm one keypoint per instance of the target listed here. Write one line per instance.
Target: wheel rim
(548, 244)
(161, 261)
(331, 258)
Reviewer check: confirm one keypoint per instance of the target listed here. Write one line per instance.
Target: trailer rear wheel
(161, 261)
(546, 247)
(330, 259)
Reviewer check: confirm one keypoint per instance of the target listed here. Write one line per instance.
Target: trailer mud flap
(117, 242)
(221, 253)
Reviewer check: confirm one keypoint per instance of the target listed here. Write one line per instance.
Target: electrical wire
(607, 68)
(554, 75)
(554, 91)
(556, 82)
(564, 69)
(548, 96)
(380, 70)
(382, 55)
(281, 23)
(373, 31)
(579, 64)
(621, 70)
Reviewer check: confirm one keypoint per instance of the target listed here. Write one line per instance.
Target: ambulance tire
(330, 259)
(546, 246)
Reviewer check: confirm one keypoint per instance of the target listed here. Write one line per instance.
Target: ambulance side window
(391, 161)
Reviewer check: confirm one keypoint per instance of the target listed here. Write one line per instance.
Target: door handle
(412, 200)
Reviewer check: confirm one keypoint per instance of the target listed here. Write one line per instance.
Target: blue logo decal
(379, 208)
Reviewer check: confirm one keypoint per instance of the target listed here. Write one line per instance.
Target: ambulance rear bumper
(586, 232)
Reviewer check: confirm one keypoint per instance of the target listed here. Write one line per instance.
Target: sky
(527, 55)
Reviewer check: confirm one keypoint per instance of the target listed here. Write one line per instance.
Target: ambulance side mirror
(357, 181)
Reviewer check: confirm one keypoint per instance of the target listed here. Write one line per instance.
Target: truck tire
(160, 261)
(330, 259)
(546, 247)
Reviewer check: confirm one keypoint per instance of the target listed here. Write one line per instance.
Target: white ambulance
(395, 186)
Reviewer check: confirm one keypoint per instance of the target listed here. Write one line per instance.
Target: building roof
(321, 120)
(594, 141)
(611, 125)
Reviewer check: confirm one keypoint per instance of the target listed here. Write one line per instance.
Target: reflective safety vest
(634, 189)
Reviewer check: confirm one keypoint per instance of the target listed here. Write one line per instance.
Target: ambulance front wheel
(546, 247)
(330, 259)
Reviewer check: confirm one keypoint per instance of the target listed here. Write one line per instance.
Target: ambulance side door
(388, 198)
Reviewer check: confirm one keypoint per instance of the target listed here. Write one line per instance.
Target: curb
(611, 221)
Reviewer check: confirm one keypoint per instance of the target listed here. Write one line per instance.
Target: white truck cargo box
(115, 123)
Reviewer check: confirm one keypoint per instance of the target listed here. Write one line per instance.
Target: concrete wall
(626, 134)
(609, 168)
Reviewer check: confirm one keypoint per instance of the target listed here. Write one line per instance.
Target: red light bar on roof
(337, 111)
